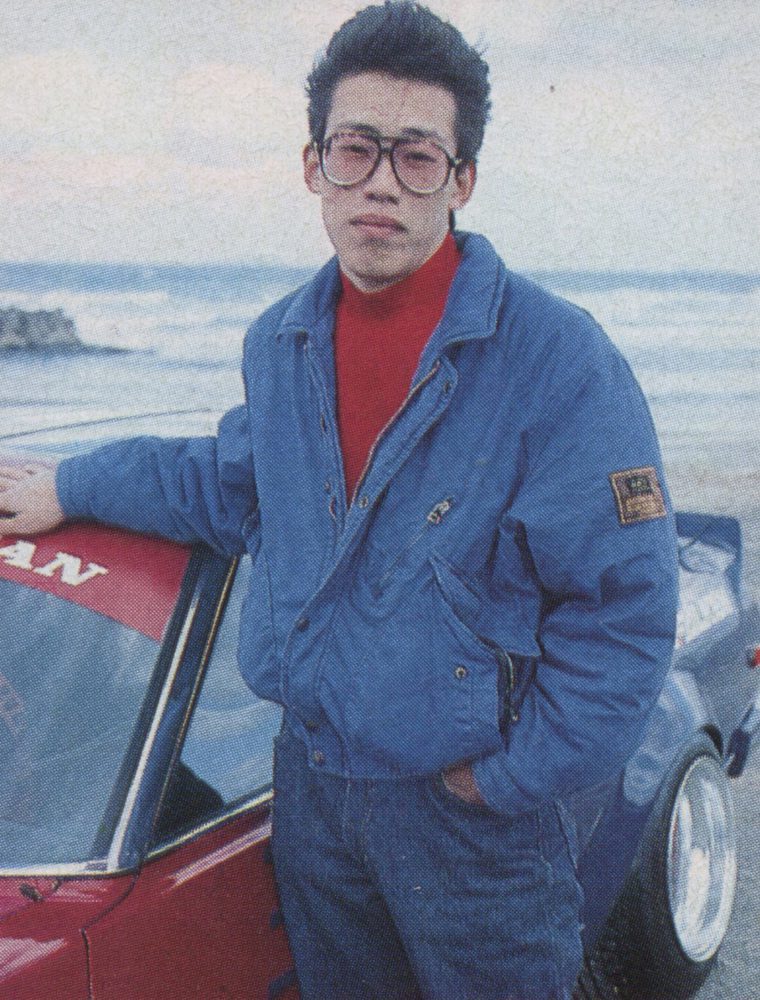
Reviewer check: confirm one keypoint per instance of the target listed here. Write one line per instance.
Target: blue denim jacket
(502, 587)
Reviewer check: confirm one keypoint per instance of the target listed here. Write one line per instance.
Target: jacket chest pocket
(389, 559)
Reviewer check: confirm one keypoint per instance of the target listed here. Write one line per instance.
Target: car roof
(71, 436)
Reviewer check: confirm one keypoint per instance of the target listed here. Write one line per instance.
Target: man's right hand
(28, 499)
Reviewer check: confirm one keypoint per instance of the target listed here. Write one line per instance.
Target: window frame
(259, 802)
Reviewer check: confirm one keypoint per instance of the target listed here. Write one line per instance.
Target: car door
(202, 919)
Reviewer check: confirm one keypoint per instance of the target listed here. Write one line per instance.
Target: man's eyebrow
(405, 133)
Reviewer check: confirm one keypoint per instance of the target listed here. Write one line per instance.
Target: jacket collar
(471, 309)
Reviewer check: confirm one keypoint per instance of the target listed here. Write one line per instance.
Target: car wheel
(672, 915)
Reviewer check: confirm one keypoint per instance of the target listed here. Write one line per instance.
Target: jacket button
(328, 486)
(318, 757)
(460, 673)
(363, 501)
(312, 727)
(302, 624)
(446, 387)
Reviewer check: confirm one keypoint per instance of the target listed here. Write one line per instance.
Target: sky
(625, 134)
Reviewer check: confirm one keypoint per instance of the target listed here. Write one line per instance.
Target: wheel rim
(701, 861)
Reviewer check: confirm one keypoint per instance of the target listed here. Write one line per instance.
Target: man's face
(381, 231)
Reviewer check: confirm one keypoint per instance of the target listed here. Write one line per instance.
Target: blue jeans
(394, 890)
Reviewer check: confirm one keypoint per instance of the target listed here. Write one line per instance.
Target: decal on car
(702, 613)
(130, 578)
(21, 553)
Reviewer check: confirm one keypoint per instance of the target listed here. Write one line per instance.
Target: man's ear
(312, 171)
(464, 182)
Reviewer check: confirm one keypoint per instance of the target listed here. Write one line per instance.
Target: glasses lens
(349, 157)
(421, 165)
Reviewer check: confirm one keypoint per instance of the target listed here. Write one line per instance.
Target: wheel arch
(682, 712)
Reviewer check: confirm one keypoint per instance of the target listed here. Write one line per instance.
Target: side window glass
(227, 754)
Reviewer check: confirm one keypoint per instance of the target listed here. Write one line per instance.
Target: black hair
(405, 40)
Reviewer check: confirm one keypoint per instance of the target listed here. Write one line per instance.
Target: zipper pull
(442, 508)
(507, 665)
(513, 713)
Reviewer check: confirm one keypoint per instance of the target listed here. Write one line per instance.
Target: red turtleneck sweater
(379, 337)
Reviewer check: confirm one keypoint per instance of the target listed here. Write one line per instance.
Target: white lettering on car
(701, 614)
(20, 554)
(71, 569)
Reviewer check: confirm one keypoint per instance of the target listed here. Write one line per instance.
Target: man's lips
(378, 223)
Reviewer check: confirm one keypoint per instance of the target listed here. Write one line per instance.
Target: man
(463, 589)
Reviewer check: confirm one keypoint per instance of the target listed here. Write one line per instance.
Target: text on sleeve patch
(638, 495)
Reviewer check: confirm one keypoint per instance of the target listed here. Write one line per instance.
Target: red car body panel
(42, 948)
(202, 920)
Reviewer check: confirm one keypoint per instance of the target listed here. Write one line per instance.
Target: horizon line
(278, 264)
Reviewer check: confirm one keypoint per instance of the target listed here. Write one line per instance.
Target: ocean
(168, 337)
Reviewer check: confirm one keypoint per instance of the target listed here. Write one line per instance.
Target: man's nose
(383, 181)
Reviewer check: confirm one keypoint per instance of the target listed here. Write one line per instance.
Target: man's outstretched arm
(187, 489)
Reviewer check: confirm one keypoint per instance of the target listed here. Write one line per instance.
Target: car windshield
(71, 685)
(82, 615)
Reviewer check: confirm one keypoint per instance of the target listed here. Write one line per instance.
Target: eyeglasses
(420, 165)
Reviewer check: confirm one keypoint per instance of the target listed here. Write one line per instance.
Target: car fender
(681, 711)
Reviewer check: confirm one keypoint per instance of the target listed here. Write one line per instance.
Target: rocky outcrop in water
(46, 329)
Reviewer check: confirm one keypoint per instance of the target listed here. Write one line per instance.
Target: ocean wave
(62, 350)
(703, 282)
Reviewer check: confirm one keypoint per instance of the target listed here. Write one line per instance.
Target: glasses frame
(386, 146)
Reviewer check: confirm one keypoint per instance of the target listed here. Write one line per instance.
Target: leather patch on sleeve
(638, 495)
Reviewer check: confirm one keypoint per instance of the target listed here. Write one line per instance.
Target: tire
(671, 917)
